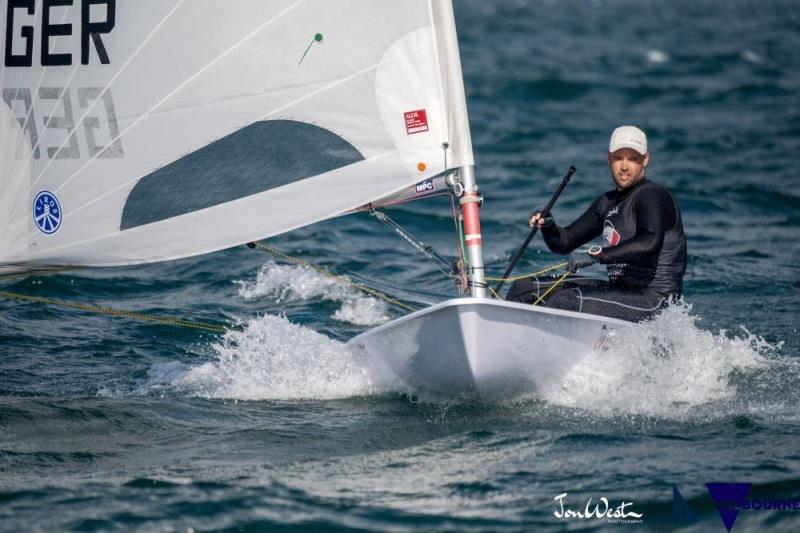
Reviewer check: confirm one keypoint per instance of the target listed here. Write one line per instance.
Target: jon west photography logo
(613, 513)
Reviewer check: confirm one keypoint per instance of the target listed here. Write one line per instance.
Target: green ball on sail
(318, 37)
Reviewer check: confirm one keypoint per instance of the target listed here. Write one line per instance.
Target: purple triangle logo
(680, 508)
(728, 498)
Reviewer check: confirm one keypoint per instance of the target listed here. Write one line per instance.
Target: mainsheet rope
(91, 308)
(141, 317)
(179, 322)
(222, 329)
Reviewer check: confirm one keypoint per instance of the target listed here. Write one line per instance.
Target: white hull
(485, 348)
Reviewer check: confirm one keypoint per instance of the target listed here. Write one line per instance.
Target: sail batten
(203, 125)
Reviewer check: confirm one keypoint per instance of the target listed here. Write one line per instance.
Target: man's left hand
(579, 261)
(595, 251)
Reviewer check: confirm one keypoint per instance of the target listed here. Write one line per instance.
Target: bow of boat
(485, 348)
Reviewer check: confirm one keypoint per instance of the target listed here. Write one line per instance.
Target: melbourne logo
(47, 212)
(610, 234)
(730, 499)
(602, 509)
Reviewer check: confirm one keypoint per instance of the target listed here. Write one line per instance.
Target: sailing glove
(580, 260)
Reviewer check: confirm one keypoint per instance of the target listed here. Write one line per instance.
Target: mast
(470, 209)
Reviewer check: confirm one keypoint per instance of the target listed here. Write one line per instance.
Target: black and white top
(645, 247)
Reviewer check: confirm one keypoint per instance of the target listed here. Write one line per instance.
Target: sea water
(112, 424)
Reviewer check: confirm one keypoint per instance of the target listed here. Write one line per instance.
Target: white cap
(628, 137)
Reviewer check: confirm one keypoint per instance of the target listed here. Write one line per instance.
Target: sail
(151, 130)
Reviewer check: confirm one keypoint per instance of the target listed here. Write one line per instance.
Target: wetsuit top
(645, 246)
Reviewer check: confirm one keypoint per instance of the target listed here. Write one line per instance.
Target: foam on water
(752, 57)
(667, 367)
(273, 359)
(286, 283)
(657, 56)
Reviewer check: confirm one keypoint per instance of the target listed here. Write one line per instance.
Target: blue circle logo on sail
(47, 212)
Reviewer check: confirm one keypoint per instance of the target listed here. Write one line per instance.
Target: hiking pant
(594, 296)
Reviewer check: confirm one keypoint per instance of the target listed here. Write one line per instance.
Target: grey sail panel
(260, 157)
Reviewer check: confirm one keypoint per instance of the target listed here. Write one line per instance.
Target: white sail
(15, 170)
(159, 129)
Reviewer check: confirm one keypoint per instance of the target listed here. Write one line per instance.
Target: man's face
(627, 167)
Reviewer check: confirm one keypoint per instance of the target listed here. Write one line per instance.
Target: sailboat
(139, 132)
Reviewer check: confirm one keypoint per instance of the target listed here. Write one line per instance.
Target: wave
(284, 283)
(671, 368)
(668, 367)
(274, 359)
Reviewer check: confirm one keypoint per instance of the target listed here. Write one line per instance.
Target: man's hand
(580, 260)
(536, 220)
(595, 251)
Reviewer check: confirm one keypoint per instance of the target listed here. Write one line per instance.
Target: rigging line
(90, 108)
(530, 274)
(462, 273)
(142, 317)
(344, 279)
(415, 243)
(552, 287)
(496, 296)
(33, 271)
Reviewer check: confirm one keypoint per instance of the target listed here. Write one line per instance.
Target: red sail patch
(416, 121)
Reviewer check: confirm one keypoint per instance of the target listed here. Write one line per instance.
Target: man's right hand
(536, 220)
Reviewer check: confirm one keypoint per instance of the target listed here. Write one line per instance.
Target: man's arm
(563, 240)
(655, 214)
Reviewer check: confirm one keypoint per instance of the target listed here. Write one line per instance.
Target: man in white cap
(644, 246)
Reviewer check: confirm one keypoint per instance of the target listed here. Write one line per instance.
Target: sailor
(644, 247)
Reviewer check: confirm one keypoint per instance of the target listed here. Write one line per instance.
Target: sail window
(254, 159)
